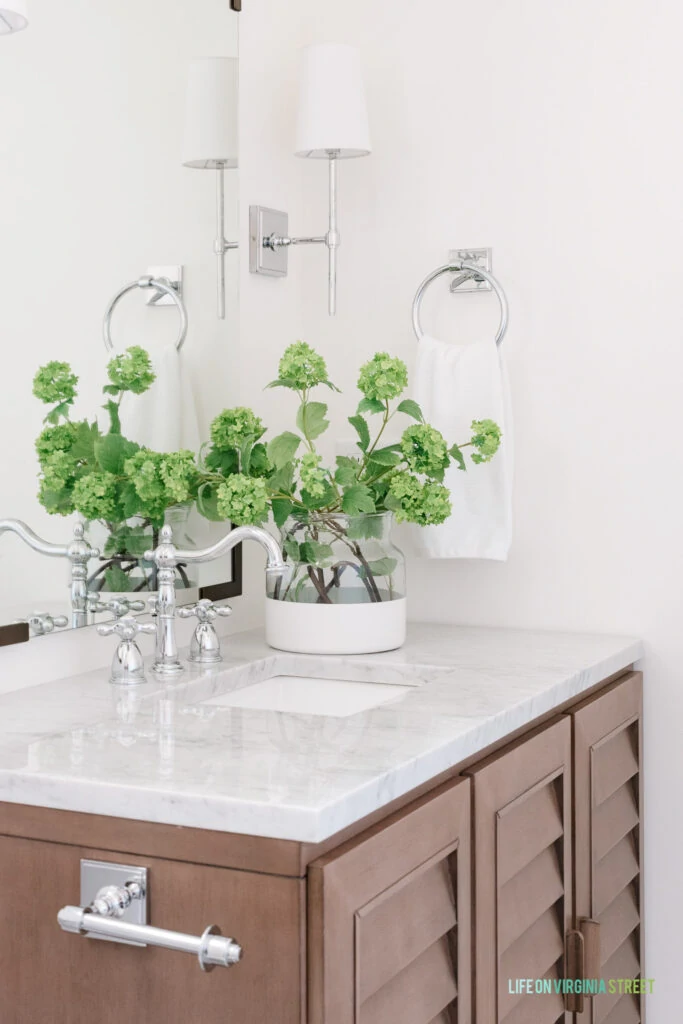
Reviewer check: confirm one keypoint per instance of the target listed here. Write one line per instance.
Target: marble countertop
(158, 753)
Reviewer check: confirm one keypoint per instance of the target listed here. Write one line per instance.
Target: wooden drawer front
(608, 780)
(50, 977)
(389, 919)
(523, 888)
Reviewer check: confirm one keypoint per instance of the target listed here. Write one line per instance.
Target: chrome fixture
(471, 265)
(167, 557)
(205, 648)
(211, 139)
(332, 126)
(127, 667)
(43, 623)
(160, 287)
(13, 16)
(119, 607)
(79, 553)
(117, 911)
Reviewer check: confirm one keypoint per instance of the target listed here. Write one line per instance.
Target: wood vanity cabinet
(420, 916)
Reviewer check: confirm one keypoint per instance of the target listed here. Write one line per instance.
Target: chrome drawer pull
(102, 919)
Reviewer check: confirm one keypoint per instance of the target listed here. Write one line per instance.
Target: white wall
(552, 133)
(93, 193)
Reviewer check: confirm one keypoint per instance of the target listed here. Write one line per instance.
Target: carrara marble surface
(159, 753)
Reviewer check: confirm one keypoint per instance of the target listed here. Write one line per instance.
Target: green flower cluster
(131, 371)
(60, 438)
(383, 377)
(425, 450)
(427, 504)
(58, 469)
(486, 439)
(302, 367)
(243, 500)
(313, 478)
(55, 382)
(96, 496)
(235, 427)
(161, 480)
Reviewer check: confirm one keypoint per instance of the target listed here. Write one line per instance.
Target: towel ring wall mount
(468, 270)
(162, 287)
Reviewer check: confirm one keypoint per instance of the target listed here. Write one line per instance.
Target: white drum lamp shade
(333, 113)
(13, 16)
(211, 114)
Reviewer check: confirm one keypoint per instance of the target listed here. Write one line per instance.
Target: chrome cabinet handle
(101, 919)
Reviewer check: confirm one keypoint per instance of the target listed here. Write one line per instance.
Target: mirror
(96, 195)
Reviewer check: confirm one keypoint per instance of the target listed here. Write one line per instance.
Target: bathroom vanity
(392, 839)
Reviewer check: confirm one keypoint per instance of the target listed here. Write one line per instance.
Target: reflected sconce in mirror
(211, 138)
(13, 16)
(332, 125)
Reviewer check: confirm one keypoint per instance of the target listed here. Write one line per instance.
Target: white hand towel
(165, 417)
(454, 385)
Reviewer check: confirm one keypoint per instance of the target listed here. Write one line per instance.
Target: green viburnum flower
(487, 437)
(302, 366)
(425, 449)
(144, 469)
(243, 500)
(427, 504)
(55, 439)
(95, 496)
(132, 371)
(312, 476)
(55, 382)
(383, 377)
(233, 427)
(179, 474)
(58, 469)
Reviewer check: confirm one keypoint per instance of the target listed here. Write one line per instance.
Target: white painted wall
(552, 133)
(93, 192)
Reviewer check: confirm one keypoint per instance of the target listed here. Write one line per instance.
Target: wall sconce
(13, 16)
(211, 138)
(332, 125)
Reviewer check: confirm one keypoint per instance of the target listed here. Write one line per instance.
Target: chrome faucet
(167, 556)
(79, 554)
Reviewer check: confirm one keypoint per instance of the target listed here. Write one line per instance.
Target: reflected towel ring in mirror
(159, 285)
(467, 271)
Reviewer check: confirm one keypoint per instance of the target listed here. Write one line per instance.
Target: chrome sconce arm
(79, 553)
(221, 246)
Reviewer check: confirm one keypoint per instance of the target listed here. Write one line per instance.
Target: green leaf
(313, 553)
(222, 460)
(291, 548)
(283, 448)
(347, 471)
(113, 410)
(282, 480)
(357, 500)
(371, 405)
(111, 389)
(57, 502)
(59, 411)
(411, 408)
(457, 456)
(259, 464)
(311, 501)
(245, 455)
(365, 528)
(282, 382)
(282, 510)
(83, 448)
(363, 430)
(392, 503)
(117, 580)
(207, 504)
(385, 457)
(310, 419)
(381, 567)
(111, 452)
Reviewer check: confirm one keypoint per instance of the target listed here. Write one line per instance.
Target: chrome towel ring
(159, 285)
(467, 271)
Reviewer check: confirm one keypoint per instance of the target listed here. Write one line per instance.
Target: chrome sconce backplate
(480, 257)
(265, 257)
(97, 875)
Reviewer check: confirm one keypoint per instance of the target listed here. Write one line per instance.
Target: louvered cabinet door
(523, 876)
(608, 841)
(389, 935)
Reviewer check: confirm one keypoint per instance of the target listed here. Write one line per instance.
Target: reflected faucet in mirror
(78, 552)
(167, 557)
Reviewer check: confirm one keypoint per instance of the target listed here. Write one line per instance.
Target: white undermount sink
(292, 693)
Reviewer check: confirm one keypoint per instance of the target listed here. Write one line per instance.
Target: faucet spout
(275, 560)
